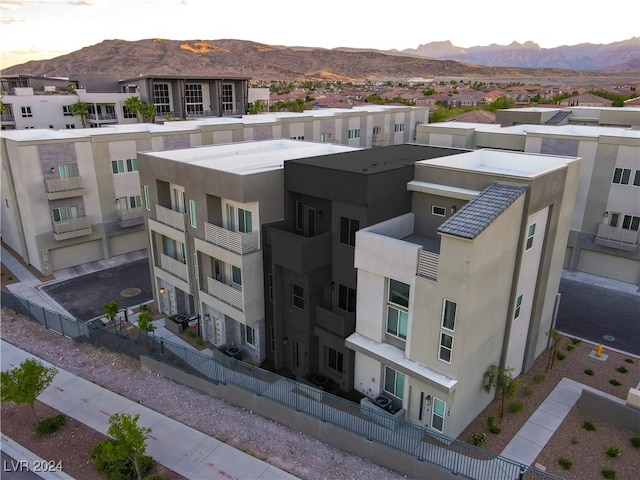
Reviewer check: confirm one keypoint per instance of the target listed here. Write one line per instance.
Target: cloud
(11, 20)
(81, 3)
(11, 4)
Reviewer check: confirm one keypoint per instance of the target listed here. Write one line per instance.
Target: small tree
(555, 338)
(129, 439)
(134, 105)
(145, 322)
(24, 383)
(80, 109)
(111, 310)
(148, 110)
(500, 380)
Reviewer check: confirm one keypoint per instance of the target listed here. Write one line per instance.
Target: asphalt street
(84, 296)
(600, 314)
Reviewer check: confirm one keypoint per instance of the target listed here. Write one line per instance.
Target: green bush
(538, 378)
(608, 473)
(199, 341)
(478, 438)
(560, 355)
(50, 425)
(571, 346)
(589, 372)
(588, 426)
(491, 424)
(628, 360)
(117, 469)
(614, 382)
(565, 463)
(613, 452)
(575, 341)
(575, 441)
(635, 441)
(516, 406)
(527, 391)
(622, 369)
(191, 334)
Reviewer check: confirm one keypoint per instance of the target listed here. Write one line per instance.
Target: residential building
(468, 279)
(204, 210)
(605, 224)
(311, 282)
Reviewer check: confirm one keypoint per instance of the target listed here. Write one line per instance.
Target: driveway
(84, 296)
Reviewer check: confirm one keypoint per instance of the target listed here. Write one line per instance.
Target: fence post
(61, 323)
(44, 317)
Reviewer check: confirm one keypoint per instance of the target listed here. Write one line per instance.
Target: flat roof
(34, 134)
(518, 164)
(244, 158)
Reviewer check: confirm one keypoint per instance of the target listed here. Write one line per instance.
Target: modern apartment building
(205, 208)
(606, 219)
(466, 280)
(311, 282)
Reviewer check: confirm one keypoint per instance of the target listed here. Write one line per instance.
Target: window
(397, 309)
(325, 137)
(126, 113)
(449, 315)
(117, 166)
(135, 201)
(636, 179)
(614, 219)
(516, 313)
(334, 360)
(147, 199)
(353, 133)
(248, 335)
(299, 216)
(398, 127)
(236, 275)
(26, 112)
(161, 98)
(192, 214)
(67, 171)
(69, 126)
(227, 98)
(446, 345)
(60, 214)
(132, 164)
(346, 298)
(439, 211)
(530, 235)
(393, 382)
(377, 130)
(437, 415)
(297, 137)
(66, 111)
(126, 165)
(629, 222)
(244, 221)
(348, 229)
(193, 99)
(297, 296)
(621, 176)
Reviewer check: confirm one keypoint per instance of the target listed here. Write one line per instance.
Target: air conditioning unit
(383, 402)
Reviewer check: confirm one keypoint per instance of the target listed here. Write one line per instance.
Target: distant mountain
(260, 62)
(613, 57)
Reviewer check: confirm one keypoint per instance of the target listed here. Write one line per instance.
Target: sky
(42, 29)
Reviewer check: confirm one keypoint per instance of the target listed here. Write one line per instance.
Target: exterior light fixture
(427, 401)
(454, 209)
(162, 290)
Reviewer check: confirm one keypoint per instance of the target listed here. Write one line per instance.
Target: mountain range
(227, 57)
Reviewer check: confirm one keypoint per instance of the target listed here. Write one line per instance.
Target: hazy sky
(39, 29)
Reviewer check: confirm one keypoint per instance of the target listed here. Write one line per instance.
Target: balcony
(8, 118)
(225, 293)
(341, 325)
(72, 228)
(236, 242)
(615, 237)
(130, 217)
(58, 188)
(380, 139)
(170, 217)
(174, 267)
(299, 253)
(102, 118)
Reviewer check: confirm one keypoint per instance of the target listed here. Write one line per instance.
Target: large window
(334, 360)
(68, 170)
(621, 176)
(63, 214)
(193, 99)
(398, 127)
(449, 315)
(248, 335)
(449, 324)
(126, 165)
(297, 296)
(397, 309)
(161, 98)
(630, 222)
(240, 220)
(353, 133)
(393, 382)
(346, 298)
(227, 98)
(530, 234)
(348, 229)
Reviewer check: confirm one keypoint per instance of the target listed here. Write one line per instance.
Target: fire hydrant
(599, 350)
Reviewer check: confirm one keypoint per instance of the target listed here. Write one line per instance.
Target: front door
(219, 329)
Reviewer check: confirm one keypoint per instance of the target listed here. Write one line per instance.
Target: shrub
(571, 346)
(527, 391)
(635, 441)
(516, 406)
(575, 441)
(608, 473)
(560, 355)
(575, 341)
(50, 425)
(613, 452)
(614, 382)
(588, 426)
(565, 463)
(538, 378)
(622, 369)
(199, 341)
(628, 360)
(491, 424)
(191, 334)
(589, 372)
(117, 469)
(478, 438)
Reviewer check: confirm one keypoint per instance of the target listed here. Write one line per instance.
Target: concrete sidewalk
(172, 444)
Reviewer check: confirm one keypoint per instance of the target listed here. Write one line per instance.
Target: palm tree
(134, 104)
(80, 109)
(148, 110)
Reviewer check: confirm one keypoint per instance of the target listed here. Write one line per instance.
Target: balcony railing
(102, 117)
(240, 243)
(170, 217)
(615, 237)
(131, 216)
(174, 267)
(225, 293)
(57, 188)
(7, 118)
(428, 263)
(342, 325)
(71, 228)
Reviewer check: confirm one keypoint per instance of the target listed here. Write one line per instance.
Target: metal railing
(171, 217)
(370, 423)
(174, 267)
(237, 242)
(130, 213)
(54, 185)
(72, 225)
(615, 237)
(225, 293)
(342, 325)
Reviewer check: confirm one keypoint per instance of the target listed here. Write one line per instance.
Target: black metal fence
(369, 422)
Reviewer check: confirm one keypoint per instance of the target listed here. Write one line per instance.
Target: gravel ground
(287, 449)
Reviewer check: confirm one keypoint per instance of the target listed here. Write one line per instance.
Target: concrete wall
(612, 409)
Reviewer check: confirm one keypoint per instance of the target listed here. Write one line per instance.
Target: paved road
(597, 313)
(13, 469)
(84, 296)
